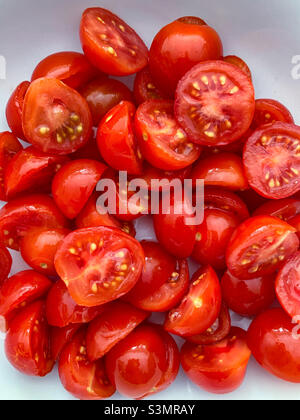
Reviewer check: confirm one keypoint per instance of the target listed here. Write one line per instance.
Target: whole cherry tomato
(14, 110)
(9, 147)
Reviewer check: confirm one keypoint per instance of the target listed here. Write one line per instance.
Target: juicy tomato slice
(162, 141)
(62, 311)
(150, 174)
(27, 343)
(74, 183)
(110, 44)
(111, 327)
(145, 88)
(200, 308)
(163, 283)
(30, 170)
(85, 380)
(116, 139)
(284, 209)
(99, 265)
(22, 214)
(70, 67)
(274, 341)
(9, 147)
(38, 248)
(56, 118)
(222, 199)
(248, 297)
(259, 246)
(268, 111)
(14, 110)
(59, 337)
(215, 103)
(221, 170)
(5, 263)
(219, 368)
(238, 62)
(269, 175)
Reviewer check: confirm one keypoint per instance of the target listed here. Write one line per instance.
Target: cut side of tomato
(14, 110)
(144, 87)
(60, 337)
(5, 263)
(268, 111)
(9, 147)
(284, 209)
(222, 199)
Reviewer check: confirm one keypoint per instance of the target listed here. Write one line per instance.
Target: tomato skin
(14, 110)
(285, 209)
(268, 111)
(5, 263)
(151, 173)
(144, 88)
(88, 151)
(252, 199)
(60, 337)
(274, 346)
(295, 222)
(248, 297)
(9, 147)
(202, 363)
(227, 201)
(237, 61)
(178, 47)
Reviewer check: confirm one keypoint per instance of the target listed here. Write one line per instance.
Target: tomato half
(268, 111)
(88, 151)
(215, 103)
(110, 44)
(295, 222)
(145, 88)
(150, 173)
(14, 110)
(252, 199)
(5, 263)
(222, 199)
(9, 147)
(237, 61)
(60, 337)
(284, 209)
(56, 118)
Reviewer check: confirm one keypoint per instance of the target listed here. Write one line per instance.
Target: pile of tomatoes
(86, 302)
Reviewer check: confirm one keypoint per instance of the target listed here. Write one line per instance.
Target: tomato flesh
(268, 111)
(60, 337)
(9, 147)
(285, 209)
(14, 110)
(145, 88)
(5, 263)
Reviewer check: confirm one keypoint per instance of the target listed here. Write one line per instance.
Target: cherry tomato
(163, 283)
(88, 151)
(284, 209)
(162, 141)
(60, 337)
(85, 380)
(259, 246)
(270, 176)
(27, 343)
(237, 61)
(56, 118)
(22, 214)
(252, 199)
(268, 111)
(248, 297)
(178, 47)
(103, 94)
(117, 142)
(74, 183)
(150, 173)
(215, 103)
(14, 110)
(99, 264)
(9, 146)
(295, 222)
(70, 67)
(200, 308)
(274, 341)
(144, 87)
(5, 263)
(219, 368)
(110, 44)
(222, 199)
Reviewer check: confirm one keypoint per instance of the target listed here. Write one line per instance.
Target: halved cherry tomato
(215, 103)
(219, 368)
(14, 110)
(144, 87)
(110, 44)
(259, 246)
(88, 151)
(5, 263)
(99, 265)
(27, 343)
(178, 47)
(162, 141)
(222, 199)
(248, 297)
(74, 183)
(163, 283)
(70, 67)
(85, 380)
(22, 214)
(150, 173)
(252, 199)
(274, 341)
(237, 61)
(272, 160)
(295, 222)
(102, 94)
(200, 308)
(60, 337)
(284, 209)
(9, 147)
(116, 139)
(268, 111)
(56, 118)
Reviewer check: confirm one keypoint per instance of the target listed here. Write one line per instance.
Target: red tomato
(268, 111)
(237, 61)
(85, 380)
(112, 326)
(103, 94)
(219, 368)
(295, 222)
(56, 118)
(260, 246)
(274, 341)
(60, 337)
(284, 209)
(30, 171)
(178, 47)
(163, 283)
(9, 146)
(252, 199)
(5, 263)
(22, 214)
(88, 151)
(39, 246)
(269, 175)
(110, 44)
(70, 67)
(215, 103)
(116, 139)
(200, 308)
(248, 297)
(162, 141)
(145, 88)
(14, 110)
(138, 364)
(222, 199)
(27, 343)
(151, 173)
(99, 265)
(74, 183)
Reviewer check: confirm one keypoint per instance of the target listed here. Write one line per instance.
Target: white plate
(265, 33)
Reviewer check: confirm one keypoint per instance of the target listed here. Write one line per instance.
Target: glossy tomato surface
(225, 200)
(14, 110)
(239, 62)
(5, 263)
(285, 209)
(59, 337)
(9, 147)
(268, 111)
(145, 88)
